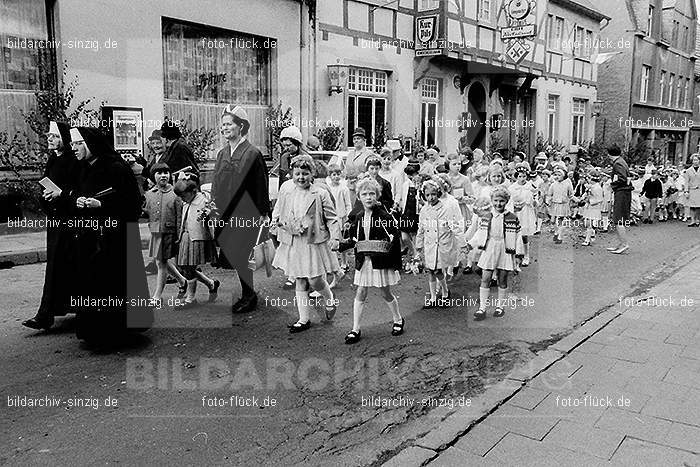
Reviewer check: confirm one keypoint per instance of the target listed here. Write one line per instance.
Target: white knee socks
(357, 307)
(394, 308)
(303, 305)
(483, 297)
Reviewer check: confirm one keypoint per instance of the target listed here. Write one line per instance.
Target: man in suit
(240, 191)
(178, 154)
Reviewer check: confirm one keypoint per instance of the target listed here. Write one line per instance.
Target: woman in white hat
(240, 191)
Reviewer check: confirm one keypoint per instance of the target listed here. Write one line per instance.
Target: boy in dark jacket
(652, 190)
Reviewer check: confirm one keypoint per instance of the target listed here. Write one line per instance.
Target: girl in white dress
(559, 199)
(305, 224)
(522, 203)
(374, 267)
(592, 213)
(498, 235)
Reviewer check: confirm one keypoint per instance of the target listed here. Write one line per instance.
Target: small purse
(375, 247)
(262, 254)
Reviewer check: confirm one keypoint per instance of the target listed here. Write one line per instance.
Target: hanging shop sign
(427, 36)
(520, 27)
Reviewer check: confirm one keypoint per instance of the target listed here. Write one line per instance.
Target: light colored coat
(320, 212)
(440, 234)
(692, 183)
(198, 230)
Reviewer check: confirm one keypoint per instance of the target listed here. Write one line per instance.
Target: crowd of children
(422, 213)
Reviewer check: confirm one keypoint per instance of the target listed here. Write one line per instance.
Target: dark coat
(240, 190)
(376, 232)
(63, 170)
(178, 156)
(110, 264)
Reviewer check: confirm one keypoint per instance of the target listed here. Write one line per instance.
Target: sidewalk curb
(9, 259)
(460, 422)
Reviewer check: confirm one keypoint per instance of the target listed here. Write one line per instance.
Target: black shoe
(351, 338)
(396, 328)
(299, 327)
(36, 323)
(214, 291)
(151, 268)
(479, 315)
(288, 284)
(181, 291)
(430, 304)
(245, 304)
(170, 280)
(444, 302)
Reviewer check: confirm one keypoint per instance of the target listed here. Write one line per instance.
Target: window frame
(644, 83)
(662, 85)
(578, 121)
(552, 121)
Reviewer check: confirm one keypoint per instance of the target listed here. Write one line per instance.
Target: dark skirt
(621, 208)
(163, 246)
(59, 276)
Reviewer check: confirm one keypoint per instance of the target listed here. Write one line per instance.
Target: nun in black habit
(62, 169)
(114, 294)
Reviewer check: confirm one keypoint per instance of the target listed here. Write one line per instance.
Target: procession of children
(418, 213)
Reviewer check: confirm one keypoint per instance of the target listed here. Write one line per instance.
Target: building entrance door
(476, 116)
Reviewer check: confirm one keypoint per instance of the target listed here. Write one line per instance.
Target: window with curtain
(578, 111)
(429, 105)
(552, 109)
(27, 50)
(214, 65)
(367, 102)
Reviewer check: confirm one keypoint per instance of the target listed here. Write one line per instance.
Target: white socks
(501, 297)
(357, 307)
(433, 288)
(483, 297)
(303, 305)
(394, 308)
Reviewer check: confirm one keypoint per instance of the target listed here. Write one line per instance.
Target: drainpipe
(301, 58)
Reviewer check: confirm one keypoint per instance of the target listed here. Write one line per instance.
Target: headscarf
(97, 143)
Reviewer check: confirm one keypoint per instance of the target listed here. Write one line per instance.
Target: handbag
(375, 247)
(262, 254)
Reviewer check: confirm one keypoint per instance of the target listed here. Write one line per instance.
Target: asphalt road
(204, 387)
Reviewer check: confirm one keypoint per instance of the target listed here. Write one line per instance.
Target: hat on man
(359, 131)
(293, 133)
(393, 144)
(170, 130)
(541, 156)
(155, 135)
(313, 143)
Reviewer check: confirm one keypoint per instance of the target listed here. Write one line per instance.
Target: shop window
(214, 65)
(27, 49)
(578, 111)
(367, 101)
